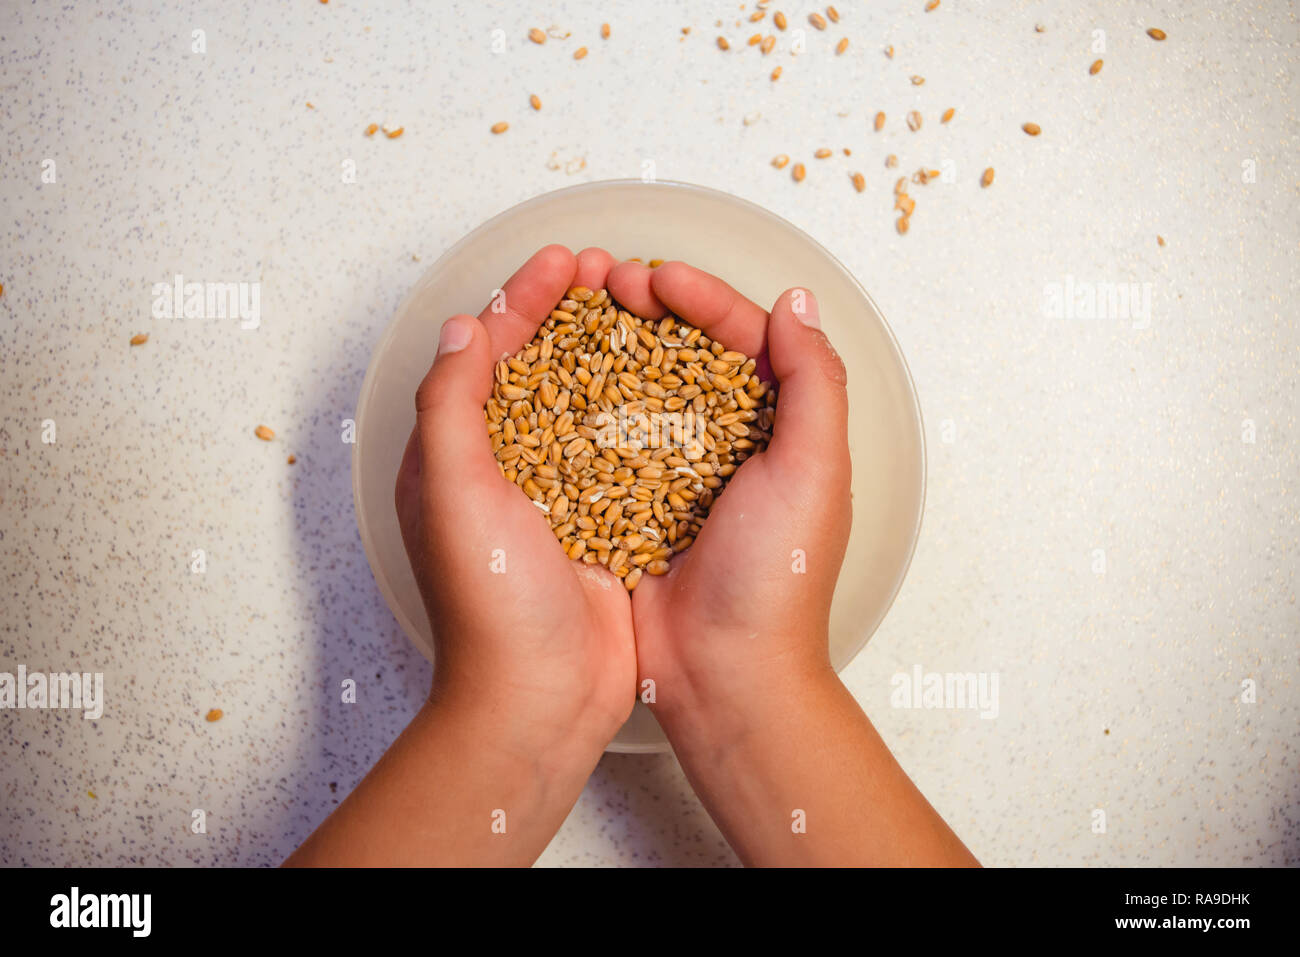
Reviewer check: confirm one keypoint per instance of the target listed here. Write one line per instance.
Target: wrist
(710, 718)
(554, 740)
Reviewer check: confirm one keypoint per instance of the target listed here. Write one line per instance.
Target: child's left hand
(541, 642)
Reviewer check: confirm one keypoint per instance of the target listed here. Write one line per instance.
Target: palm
(508, 608)
(739, 596)
(572, 621)
(703, 593)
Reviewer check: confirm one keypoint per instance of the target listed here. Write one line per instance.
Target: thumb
(454, 446)
(812, 407)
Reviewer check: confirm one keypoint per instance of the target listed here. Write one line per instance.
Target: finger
(452, 441)
(629, 284)
(811, 427)
(406, 491)
(594, 265)
(709, 303)
(527, 298)
(408, 473)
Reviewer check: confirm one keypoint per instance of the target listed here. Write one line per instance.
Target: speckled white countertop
(1049, 438)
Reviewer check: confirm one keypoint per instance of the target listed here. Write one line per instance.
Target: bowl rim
(369, 383)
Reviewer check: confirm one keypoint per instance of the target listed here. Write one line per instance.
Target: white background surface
(1065, 436)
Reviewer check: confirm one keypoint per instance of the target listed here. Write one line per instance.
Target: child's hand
(736, 634)
(544, 643)
(746, 607)
(535, 667)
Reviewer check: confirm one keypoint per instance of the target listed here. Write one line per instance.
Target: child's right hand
(735, 636)
(745, 610)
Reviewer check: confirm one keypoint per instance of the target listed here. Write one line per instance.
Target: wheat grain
(630, 498)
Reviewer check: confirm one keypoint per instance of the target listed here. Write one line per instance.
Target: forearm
(795, 775)
(455, 789)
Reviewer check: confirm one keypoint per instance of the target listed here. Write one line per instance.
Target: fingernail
(804, 306)
(455, 335)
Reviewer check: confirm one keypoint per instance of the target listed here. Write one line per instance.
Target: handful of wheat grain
(624, 430)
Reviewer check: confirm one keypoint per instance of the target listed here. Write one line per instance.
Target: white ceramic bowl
(758, 253)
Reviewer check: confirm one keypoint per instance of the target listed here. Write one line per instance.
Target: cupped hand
(746, 608)
(545, 643)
